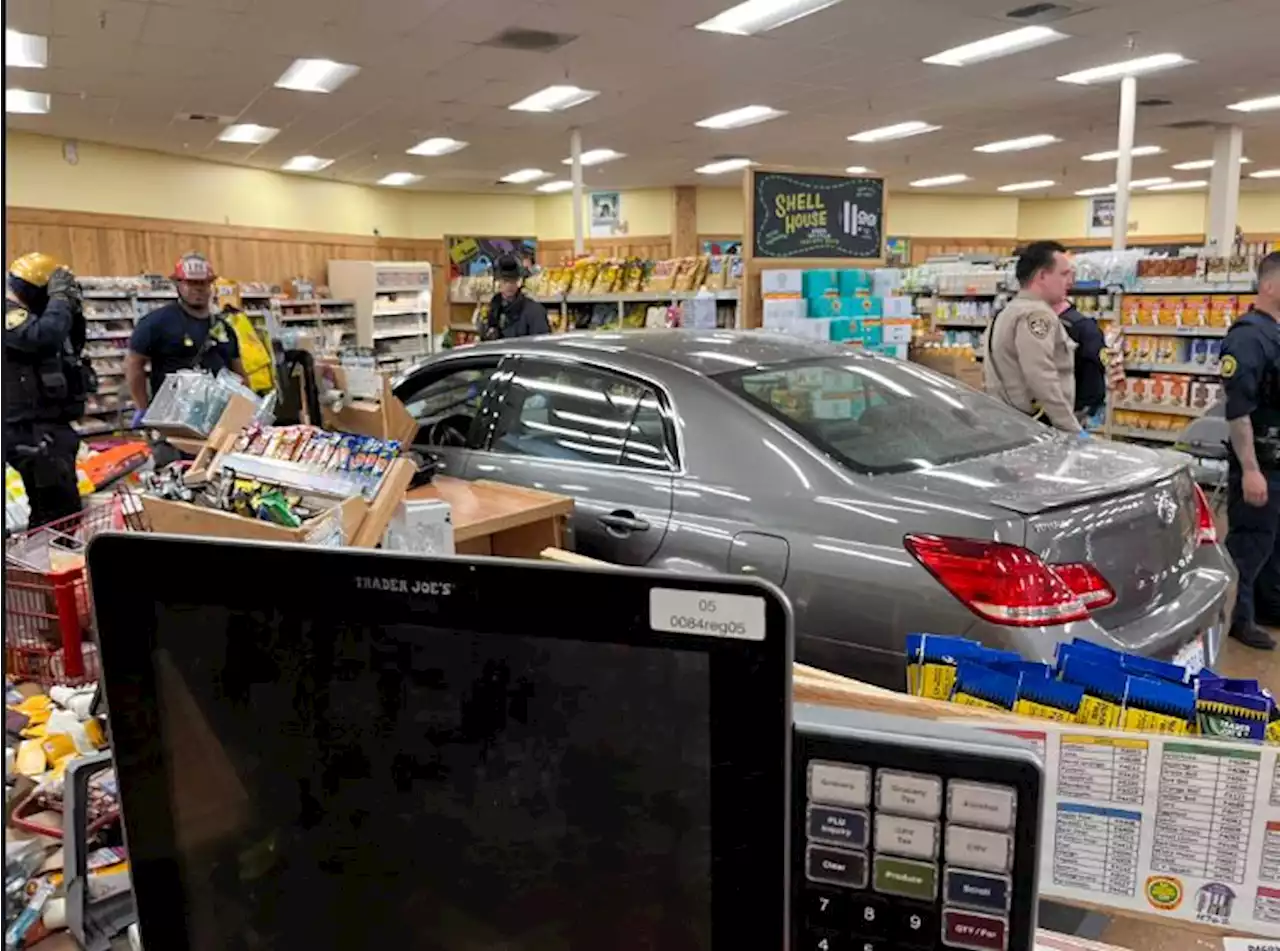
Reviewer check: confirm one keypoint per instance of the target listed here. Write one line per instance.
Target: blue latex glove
(1085, 434)
(136, 422)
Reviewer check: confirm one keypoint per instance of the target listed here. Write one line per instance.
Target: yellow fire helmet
(34, 268)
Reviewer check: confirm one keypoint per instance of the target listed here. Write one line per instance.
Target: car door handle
(624, 522)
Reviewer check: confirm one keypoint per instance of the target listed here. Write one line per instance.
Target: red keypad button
(963, 929)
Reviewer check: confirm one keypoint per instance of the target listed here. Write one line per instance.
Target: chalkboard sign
(798, 215)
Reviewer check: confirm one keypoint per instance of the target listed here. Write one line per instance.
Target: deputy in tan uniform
(1030, 357)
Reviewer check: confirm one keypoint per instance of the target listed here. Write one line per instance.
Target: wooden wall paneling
(684, 237)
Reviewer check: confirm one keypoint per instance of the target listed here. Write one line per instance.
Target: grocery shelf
(405, 312)
(106, 295)
(411, 289)
(962, 294)
(1191, 286)
(156, 295)
(962, 321)
(111, 335)
(1196, 369)
(334, 302)
(104, 316)
(1138, 330)
(392, 334)
(1174, 410)
(1154, 435)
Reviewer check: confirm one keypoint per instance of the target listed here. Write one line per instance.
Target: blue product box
(870, 331)
(842, 329)
(868, 307)
(834, 307)
(854, 281)
(821, 284)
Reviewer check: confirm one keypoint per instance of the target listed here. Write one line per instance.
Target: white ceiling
(121, 70)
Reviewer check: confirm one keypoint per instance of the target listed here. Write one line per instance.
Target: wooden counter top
(491, 518)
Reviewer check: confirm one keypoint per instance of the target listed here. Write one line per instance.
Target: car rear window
(882, 415)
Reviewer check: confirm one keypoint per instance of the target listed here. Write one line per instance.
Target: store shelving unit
(391, 304)
(621, 301)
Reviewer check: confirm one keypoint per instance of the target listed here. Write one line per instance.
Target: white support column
(1124, 161)
(1224, 190)
(575, 152)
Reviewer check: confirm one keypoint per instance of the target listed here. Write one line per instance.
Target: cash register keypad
(908, 859)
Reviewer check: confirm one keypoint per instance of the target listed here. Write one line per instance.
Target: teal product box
(869, 306)
(896, 350)
(854, 281)
(842, 329)
(821, 284)
(869, 331)
(834, 307)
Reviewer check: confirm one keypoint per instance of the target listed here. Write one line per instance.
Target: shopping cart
(48, 625)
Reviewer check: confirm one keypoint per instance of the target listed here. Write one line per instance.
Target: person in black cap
(511, 313)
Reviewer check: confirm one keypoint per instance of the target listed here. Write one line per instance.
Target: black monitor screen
(344, 778)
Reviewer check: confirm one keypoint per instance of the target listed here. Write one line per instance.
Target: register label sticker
(707, 613)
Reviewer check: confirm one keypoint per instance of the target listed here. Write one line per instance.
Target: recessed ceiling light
(554, 99)
(438, 146)
(399, 178)
(1250, 105)
(940, 180)
(1266, 173)
(306, 163)
(563, 185)
(1019, 145)
(737, 118)
(1137, 152)
(1002, 44)
(1178, 186)
(596, 157)
(316, 75)
(1027, 186)
(1103, 190)
(857, 170)
(524, 176)
(1129, 67)
(900, 131)
(1150, 182)
(24, 102)
(724, 165)
(26, 50)
(758, 16)
(248, 133)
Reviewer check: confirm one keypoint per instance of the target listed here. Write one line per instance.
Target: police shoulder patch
(1038, 324)
(1229, 367)
(15, 318)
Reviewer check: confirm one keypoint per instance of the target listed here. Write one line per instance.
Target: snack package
(1152, 706)
(716, 273)
(1104, 686)
(936, 657)
(1148, 311)
(1049, 700)
(1139, 390)
(1158, 390)
(1179, 391)
(662, 276)
(980, 686)
(1132, 307)
(1213, 355)
(1195, 311)
(1168, 310)
(1229, 714)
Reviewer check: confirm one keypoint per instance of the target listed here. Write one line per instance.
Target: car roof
(704, 351)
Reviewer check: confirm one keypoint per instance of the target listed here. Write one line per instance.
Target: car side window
(582, 414)
(446, 407)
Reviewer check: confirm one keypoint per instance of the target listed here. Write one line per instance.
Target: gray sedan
(882, 497)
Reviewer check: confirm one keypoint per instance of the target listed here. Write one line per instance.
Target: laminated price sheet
(1182, 827)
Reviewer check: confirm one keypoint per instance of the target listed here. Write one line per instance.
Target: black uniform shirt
(519, 317)
(36, 343)
(1091, 374)
(1251, 371)
(172, 340)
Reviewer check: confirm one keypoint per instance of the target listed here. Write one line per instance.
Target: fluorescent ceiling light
(940, 180)
(437, 146)
(563, 185)
(316, 75)
(1104, 190)
(1137, 152)
(23, 102)
(1249, 105)
(1150, 182)
(1002, 44)
(554, 99)
(759, 16)
(857, 170)
(524, 176)
(737, 118)
(1266, 173)
(399, 178)
(248, 133)
(1178, 186)
(1019, 145)
(725, 165)
(1129, 67)
(1027, 186)
(900, 131)
(596, 157)
(306, 163)
(25, 49)
(1202, 163)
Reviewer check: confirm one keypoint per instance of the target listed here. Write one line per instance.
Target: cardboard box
(781, 282)
(184, 518)
(968, 372)
(896, 330)
(833, 306)
(818, 283)
(854, 281)
(896, 307)
(782, 311)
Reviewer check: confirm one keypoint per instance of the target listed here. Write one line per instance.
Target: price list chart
(1204, 811)
(1095, 848)
(1103, 769)
(1269, 867)
(1275, 784)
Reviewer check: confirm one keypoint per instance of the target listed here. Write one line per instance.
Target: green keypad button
(908, 879)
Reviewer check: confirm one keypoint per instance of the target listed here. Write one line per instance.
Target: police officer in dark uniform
(1251, 379)
(511, 313)
(45, 383)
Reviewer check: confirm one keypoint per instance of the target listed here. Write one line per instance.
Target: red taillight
(1206, 530)
(1003, 583)
(1086, 583)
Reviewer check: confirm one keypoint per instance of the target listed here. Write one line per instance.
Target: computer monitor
(332, 749)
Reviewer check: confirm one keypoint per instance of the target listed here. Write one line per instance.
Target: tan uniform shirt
(1030, 362)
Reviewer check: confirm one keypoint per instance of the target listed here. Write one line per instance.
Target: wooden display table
(490, 518)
